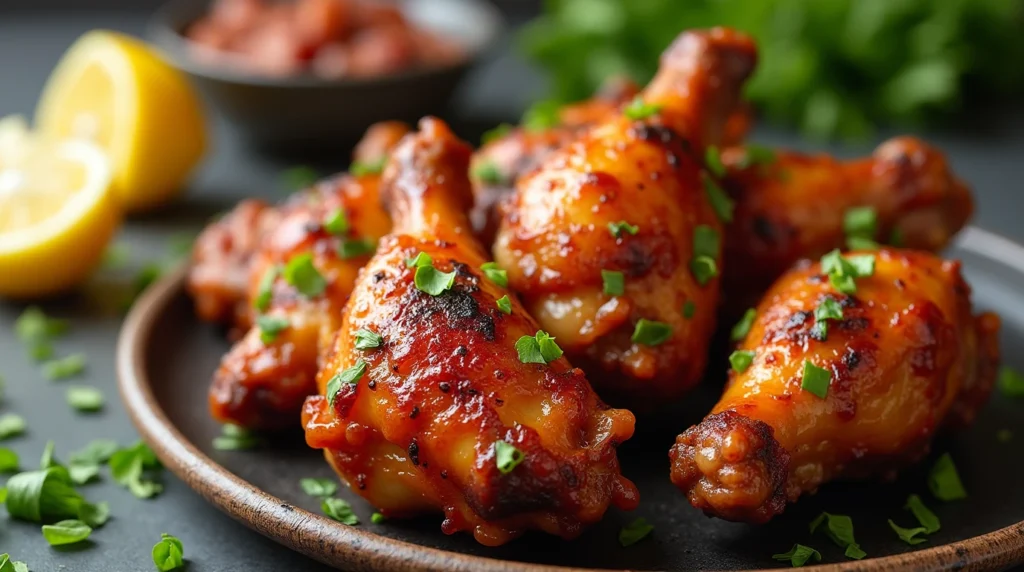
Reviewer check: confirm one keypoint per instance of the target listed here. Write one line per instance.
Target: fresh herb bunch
(833, 68)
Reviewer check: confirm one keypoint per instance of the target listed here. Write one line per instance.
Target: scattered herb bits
(301, 273)
(64, 368)
(495, 133)
(539, 348)
(11, 425)
(349, 376)
(618, 229)
(634, 532)
(85, 399)
(704, 269)
(542, 115)
(421, 259)
(36, 330)
(638, 109)
(430, 280)
(713, 160)
(66, 532)
(339, 510)
(270, 327)
(42, 495)
(740, 360)
(614, 282)
(507, 457)
(495, 274)
(168, 553)
(299, 177)
(861, 222)
(689, 309)
(756, 155)
(132, 467)
(651, 333)
(318, 487)
(816, 379)
(843, 271)
(923, 514)
(336, 222)
(1011, 382)
(367, 340)
(908, 535)
(944, 481)
(839, 528)
(235, 438)
(363, 168)
(798, 555)
(742, 327)
(356, 247)
(487, 172)
(95, 452)
(377, 518)
(720, 202)
(266, 288)
(8, 460)
(8, 565)
(706, 246)
(94, 515)
(504, 304)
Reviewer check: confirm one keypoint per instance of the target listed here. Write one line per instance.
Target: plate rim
(357, 549)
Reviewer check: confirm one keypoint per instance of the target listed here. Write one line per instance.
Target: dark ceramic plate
(166, 356)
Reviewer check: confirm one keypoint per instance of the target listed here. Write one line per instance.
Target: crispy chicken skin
(555, 239)
(906, 357)
(416, 432)
(263, 384)
(793, 208)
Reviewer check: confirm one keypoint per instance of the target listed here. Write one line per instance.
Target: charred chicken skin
(628, 198)
(905, 357)
(262, 381)
(792, 207)
(424, 404)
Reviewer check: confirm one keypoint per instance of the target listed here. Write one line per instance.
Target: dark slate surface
(986, 150)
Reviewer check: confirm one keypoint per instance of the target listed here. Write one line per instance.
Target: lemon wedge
(57, 213)
(117, 92)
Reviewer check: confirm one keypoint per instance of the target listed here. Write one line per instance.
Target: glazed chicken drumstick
(299, 277)
(791, 206)
(433, 399)
(849, 369)
(614, 241)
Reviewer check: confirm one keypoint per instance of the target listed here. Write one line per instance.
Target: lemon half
(57, 212)
(117, 92)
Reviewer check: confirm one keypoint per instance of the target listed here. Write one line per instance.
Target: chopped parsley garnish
(129, 467)
(704, 269)
(798, 555)
(235, 438)
(349, 376)
(617, 228)
(96, 452)
(651, 333)
(266, 289)
(11, 425)
(303, 276)
(944, 481)
(926, 517)
(507, 457)
(377, 518)
(720, 201)
(713, 160)
(488, 172)
(1011, 382)
(339, 510)
(614, 282)
(839, 528)
(421, 259)
(66, 532)
(542, 115)
(495, 274)
(362, 168)
(36, 330)
(318, 487)
(168, 553)
(95, 515)
(8, 460)
(843, 271)
(498, 132)
(742, 327)
(756, 155)
(638, 109)
(336, 222)
(42, 495)
(8, 565)
(270, 327)
(84, 398)
(860, 243)
(65, 367)
(299, 177)
(82, 474)
(539, 348)
(828, 309)
(367, 340)
(816, 379)
(504, 304)
(860, 225)
(741, 360)
(431, 280)
(908, 535)
(356, 247)
(634, 532)
(689, 309)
